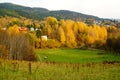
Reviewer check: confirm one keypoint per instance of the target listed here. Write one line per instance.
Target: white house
(31, 29)
(44, 37)
(3, 28)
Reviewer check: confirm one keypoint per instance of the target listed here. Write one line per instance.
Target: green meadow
(76, 55)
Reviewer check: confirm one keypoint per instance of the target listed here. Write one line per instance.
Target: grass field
(21, 70)
(64, 64)
(76, 55)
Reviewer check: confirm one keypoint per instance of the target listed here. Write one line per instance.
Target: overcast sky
(100, 8)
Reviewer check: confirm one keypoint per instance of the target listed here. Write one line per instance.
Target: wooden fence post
(30, 67)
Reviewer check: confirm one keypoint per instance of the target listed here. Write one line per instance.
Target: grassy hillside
(76, 55)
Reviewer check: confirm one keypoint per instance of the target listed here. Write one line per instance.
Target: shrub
(113, 41)
(51, 43)
(3, 52)
(16, 46)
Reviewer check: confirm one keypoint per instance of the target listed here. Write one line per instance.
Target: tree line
(60, 33)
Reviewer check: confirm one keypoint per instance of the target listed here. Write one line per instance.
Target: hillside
(40, 13)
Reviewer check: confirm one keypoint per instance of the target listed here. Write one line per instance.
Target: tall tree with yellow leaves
(62, 35)
(70, 37)
(52, 24)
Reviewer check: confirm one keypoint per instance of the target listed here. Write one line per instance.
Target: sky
(100, 8)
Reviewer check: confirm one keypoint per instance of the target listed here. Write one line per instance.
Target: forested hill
(40, 13)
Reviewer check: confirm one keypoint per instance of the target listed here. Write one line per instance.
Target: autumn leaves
(75, 33)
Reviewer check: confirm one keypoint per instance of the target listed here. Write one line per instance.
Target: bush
(113, 44)
(51, 43)
(71, 45)
(16, 46)
(43, 44)
(3, 52)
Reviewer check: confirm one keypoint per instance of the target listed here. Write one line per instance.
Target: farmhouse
(23, 29)
(3, 28)
(44, 37)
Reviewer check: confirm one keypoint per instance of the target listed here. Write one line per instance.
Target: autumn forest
(58, 46)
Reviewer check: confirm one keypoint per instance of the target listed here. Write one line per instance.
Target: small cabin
(4, 28)
(31, 29)
(44, 37)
